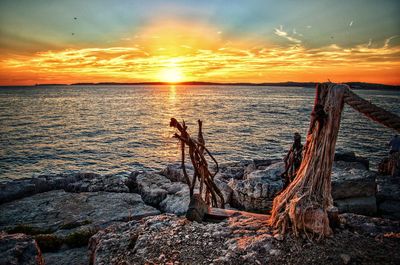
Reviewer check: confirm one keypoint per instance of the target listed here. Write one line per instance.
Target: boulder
(63, 212)
(349, 156)
(233, 170)
(175, 173)
(257, 191)
(160, 192)
(388, 188)
(224, 187)
(358, 205)
(238, 170)
(80, 182)
(19, 249)
(350, 179)
(176, 202)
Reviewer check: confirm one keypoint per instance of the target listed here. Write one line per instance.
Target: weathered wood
(333, 216)
(197, 208)
(303, 205)
(197, 150)
(217, 214)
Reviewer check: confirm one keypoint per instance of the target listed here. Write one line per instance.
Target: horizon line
(195, 83)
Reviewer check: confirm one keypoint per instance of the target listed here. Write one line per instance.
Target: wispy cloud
(387, 41)
(281, 33)
(226, 61)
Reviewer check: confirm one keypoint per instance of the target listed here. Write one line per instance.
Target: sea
(115, 129)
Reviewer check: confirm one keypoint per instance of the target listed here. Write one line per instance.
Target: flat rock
(62, 212)
(369, 225)
(19, 249)
(80, 182)
(350, 156)
(358, 205)
(351, 179)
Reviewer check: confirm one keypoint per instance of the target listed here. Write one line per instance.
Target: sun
(171, 75)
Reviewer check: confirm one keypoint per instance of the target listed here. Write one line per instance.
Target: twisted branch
(212, 193)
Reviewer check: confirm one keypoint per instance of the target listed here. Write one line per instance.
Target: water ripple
(117, 129)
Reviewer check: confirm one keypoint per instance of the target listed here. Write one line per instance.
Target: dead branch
(197, 150)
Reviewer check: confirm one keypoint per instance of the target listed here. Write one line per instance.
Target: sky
(60, 41)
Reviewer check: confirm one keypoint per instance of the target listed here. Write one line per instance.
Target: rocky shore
(137, 219)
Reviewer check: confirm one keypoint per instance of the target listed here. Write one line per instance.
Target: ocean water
(118, 129)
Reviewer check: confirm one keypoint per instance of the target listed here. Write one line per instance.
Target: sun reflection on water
(172, 94)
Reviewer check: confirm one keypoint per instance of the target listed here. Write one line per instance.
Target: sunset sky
(59, 41)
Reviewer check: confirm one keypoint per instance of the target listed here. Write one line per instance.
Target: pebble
(345, 258)
(275, 252)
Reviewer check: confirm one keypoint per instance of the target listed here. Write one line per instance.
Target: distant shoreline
(353, 85)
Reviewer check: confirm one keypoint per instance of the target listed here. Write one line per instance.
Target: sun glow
(177, 51)
(171, 75)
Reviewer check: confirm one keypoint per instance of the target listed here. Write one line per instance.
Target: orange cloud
(198, 52)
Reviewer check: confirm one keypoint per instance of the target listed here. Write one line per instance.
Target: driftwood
(306, 204)
(197, 150)
(292, 161)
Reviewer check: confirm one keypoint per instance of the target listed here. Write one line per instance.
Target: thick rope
(372, 111)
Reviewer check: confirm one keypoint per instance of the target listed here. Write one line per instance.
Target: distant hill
(353, 85)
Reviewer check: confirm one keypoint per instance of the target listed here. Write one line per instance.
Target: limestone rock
(369, 225)
(19, 249)
(75, 256)
(240, 239)
(388, 196)
(171, 237)
(388, 188)
(176, 202)
(358, 205)
(256, 192)
(349, 156)
(352, 180)
(80, 182)
(160, 192)
(175, 174)
(63, 212)
(232, 170)
(239, 170)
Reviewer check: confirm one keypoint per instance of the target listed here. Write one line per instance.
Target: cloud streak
(281, 33)
(145, 58)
